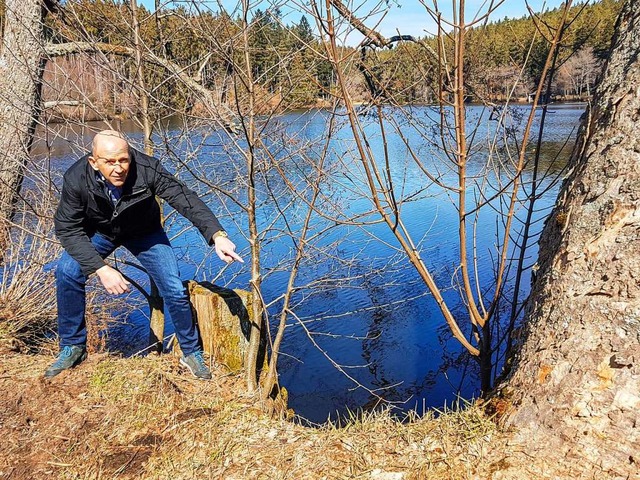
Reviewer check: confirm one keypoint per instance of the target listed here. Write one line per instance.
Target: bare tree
(496, 187)
(577, 76)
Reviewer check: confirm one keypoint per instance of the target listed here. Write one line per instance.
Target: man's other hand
(112, 280)
(226, 250)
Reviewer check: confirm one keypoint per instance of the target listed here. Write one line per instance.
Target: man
(108, 200)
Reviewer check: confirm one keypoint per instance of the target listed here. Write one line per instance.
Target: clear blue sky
(409, 17)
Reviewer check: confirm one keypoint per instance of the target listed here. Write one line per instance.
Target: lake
(360, 309)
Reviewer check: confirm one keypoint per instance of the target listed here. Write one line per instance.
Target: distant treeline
(501, 52)
(289, 65)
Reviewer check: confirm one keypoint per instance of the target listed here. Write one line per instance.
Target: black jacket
(85, 209)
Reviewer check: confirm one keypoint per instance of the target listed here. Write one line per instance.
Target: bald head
(108, 141)
(110, 156)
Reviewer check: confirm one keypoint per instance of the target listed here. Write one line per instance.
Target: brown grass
(27, 292)
(142, 418)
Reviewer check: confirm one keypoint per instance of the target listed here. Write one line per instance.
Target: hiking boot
(196, 365)
(69, 357)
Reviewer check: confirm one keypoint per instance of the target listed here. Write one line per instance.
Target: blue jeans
(155, 254)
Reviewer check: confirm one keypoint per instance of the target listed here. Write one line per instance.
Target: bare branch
(62, 49)
(374, 37)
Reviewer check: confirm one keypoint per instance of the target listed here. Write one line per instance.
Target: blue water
(361, 310)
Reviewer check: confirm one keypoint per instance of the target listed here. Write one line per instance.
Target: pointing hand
(226, 250)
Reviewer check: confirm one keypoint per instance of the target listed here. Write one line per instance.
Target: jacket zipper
(132, 194)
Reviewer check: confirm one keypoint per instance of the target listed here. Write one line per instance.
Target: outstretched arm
(187, 202)
(182, 198)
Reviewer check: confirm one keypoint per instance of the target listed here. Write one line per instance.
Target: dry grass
(142, 418)
(27, 293)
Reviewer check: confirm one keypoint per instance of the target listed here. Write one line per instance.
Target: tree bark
(21, 70)
(575, 385)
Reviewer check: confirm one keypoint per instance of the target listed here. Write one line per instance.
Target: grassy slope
(143, 418)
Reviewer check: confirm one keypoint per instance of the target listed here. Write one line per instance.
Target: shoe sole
(186, 365)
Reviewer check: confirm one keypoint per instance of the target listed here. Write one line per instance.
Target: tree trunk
(21, 69)
(576, 379)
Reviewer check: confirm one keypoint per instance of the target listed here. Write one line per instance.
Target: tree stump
(224, 323)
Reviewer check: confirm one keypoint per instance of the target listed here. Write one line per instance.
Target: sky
(409, 17)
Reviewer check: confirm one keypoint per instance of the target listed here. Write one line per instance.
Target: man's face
(113, 162)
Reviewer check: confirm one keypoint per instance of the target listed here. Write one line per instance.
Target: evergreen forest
(289, 64)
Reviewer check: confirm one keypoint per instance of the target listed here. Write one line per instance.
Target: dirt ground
(144, 418)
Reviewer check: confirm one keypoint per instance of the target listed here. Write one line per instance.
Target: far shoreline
(79, 114)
